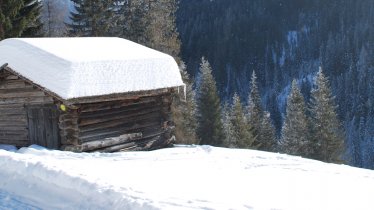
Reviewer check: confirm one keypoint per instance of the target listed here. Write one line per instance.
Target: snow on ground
(184, 177)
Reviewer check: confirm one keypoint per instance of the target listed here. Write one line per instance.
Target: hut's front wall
(131, 124)
(15, 97)
(29, 116)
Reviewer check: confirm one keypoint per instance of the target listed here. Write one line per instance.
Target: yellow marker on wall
(63, 107)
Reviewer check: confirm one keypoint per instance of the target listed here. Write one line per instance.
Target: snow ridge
(184, 177)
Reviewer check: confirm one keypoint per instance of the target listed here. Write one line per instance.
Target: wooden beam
(107, 142)
(101, 106)
(3, 66)
(121, 96)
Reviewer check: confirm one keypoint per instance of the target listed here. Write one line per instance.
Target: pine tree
(184, 112)
(92, 18)
(151, 23)
(53, 17)
(242, 136)
(161, 31)
(296, 128)
(20, 18)
(33, 24)
(133, 21)
(326, 126)
(210, 128)
(267, 134)
(227, 126)
(255, 110)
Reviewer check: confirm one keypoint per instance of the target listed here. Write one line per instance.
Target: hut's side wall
(15, 96)
(131, 124)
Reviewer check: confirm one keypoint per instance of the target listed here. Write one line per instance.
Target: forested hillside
(284, 40)
(279, 40)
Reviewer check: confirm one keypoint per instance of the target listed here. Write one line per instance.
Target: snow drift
(184, 177)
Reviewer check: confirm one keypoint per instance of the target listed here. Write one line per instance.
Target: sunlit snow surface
(89, 66)
(184, 177)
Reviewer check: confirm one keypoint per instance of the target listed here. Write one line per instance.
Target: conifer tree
(151, 23)
(227, 126)
(326, 126)
(242, 136)
(133, 21)
(210, 128)
(20, 18)
(33, 25)
(92, 18)
(267, 134)
(255, 110)
(184, 112)
(296, 127)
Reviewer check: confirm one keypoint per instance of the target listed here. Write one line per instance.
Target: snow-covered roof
(90, 66)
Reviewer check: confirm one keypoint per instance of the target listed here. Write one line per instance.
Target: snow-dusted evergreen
(327, 130)
(240, 130)
(20, 18)
(227, 126)
(92, 18)
(296, 139)
(209, 124)
(255, 109)
(267, 134)
(184, 111)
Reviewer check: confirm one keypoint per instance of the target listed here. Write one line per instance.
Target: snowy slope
(200, 177)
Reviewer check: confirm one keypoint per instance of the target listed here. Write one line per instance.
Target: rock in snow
(184, 177)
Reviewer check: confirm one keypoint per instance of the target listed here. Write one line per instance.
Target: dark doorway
(43, 126)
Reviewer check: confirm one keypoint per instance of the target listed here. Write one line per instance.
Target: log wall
(131, 124)
(15, 95)
(108, 126)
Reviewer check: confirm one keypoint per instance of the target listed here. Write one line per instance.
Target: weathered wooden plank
(15, 117)
(13, 136)
(20, 94)
(31, 126)
(122, 96)
(127, 114)
(108, 142)
(20, 128)
(12, 106)
(22, 100)
(17, 143)
(16, 109)
(50, 142)
(12, 77)
(14, 84)
(117, 111)
(127, 125)
(85, 137)
(116, 104)
(143, 144)
(118, 147)
(121, 121)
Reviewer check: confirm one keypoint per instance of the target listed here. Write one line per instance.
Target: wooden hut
(85, 94)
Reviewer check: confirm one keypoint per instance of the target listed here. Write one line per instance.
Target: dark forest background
(286, 39)
(280, 40)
